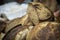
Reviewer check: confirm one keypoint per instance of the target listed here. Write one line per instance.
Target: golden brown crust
(50, 31)
(33, 14)
(51, 4)
(15, 33)
(18, 21)
(38, 12)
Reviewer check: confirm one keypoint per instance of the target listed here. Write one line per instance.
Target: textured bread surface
(38, 12)
(45, 31)
(18, 21)
(51, 4)
(17, 33)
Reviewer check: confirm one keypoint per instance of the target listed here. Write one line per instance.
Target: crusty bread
(38, 12)
(32, 14)
(17, 33)
(22, 34)
(45, 31)
(18, 21)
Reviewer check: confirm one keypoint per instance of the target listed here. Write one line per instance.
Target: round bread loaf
(45, 31)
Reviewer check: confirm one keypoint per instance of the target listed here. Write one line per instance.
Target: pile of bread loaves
(38, 24)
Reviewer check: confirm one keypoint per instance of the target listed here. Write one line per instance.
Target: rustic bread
(18, 21)
(38, 12)
(32, 14)
(17, 33)
(45, 31)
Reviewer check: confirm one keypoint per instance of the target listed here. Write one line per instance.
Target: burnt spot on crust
(50, 32)
(42, 34)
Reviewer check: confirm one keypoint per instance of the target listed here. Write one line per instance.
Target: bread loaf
(38, 12)
(18, 21)
(17, 33)
(45, 31)
(32, 14)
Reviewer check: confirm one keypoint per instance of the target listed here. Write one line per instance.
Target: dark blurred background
(5, 1)
(58, 2)
(1, 2)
